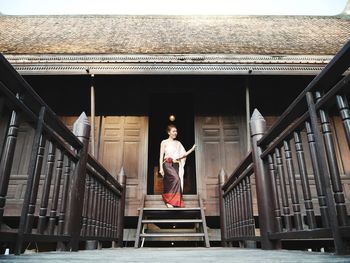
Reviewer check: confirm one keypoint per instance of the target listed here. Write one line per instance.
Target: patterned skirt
(172, 193)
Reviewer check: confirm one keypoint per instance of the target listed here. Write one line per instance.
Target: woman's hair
(169, 127)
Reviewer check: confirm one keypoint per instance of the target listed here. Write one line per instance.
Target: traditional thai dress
(173, 173)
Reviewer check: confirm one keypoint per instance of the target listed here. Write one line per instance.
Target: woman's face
(173, 133)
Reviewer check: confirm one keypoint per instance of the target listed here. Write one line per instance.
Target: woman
(171, 162)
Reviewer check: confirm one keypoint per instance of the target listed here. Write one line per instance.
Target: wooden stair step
(152, 221)
(172, 235)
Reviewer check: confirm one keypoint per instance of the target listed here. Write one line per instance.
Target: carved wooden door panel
(123, 142)
(221, 143)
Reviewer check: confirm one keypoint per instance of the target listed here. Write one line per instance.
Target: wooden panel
(123, 142)
(343, 152)
(221, 144)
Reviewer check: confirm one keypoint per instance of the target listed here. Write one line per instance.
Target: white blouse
(175, 150)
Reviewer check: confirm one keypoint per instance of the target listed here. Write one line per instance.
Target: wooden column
(121, 212)
(92, 121)
(247, 105)
(222, 179)
(264, 189)
(81, 129)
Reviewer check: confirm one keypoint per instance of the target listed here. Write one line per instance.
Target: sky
(173, 7)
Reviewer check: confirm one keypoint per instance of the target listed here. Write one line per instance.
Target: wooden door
(123, 142)
(221, 143)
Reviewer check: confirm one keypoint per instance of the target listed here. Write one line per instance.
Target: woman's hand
(161, 172)
(193, 147)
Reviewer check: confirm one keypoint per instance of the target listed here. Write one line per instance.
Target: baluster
(115, 217)
(250, 207)
(35, 186)
(112, 214)
(95, 212)
(228, 218)
(235, 213)
(276, 198)
(109, 213)
(86, 206)
(344, 111)
(314, 160)
(231, 215)
(310, 215)
(293, 186)
(109, 209)
(56, 192)
(7, 159)
(98, 210)
(245, 209)
(104, 209)
(64, 196)
(46, 189)
(333, 165)
(90, 216)
(284, 195)
(101, 209)
(241, 209)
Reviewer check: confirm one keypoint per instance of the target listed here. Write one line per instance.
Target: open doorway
(162, 105)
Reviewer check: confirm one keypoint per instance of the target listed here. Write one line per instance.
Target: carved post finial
(121, 176)
(81, 127)
(257, 123)
(222, 177)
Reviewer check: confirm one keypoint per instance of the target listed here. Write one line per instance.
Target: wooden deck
(182, 255)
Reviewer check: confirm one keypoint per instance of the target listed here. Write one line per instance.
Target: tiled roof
(92, 34)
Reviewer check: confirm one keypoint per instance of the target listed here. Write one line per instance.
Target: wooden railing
(298, 150)
(237, 222)
(69, 198)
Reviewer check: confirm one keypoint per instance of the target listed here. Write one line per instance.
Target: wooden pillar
(264, 189)
(121, 212)
(81, 129)
(222, 179)
(92, 121)
(247, 109)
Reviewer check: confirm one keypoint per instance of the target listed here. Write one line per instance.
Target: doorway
(162, 106)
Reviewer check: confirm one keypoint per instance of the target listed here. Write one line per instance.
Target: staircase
(171, 224)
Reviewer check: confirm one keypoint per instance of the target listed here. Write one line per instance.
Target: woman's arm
(161, 158)
(188, 152)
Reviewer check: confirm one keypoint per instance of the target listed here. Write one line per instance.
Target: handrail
(17, 85)
(241, 167)
(103, 172)
(324, 81)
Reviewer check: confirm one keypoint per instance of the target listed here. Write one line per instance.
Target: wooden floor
(168, 255)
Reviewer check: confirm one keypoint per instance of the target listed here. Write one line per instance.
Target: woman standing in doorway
(171, 162)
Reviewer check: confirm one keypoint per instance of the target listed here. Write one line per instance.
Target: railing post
(81, 129)
(264, 188)
(120, 228)
(341, 244)
(222, 179)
